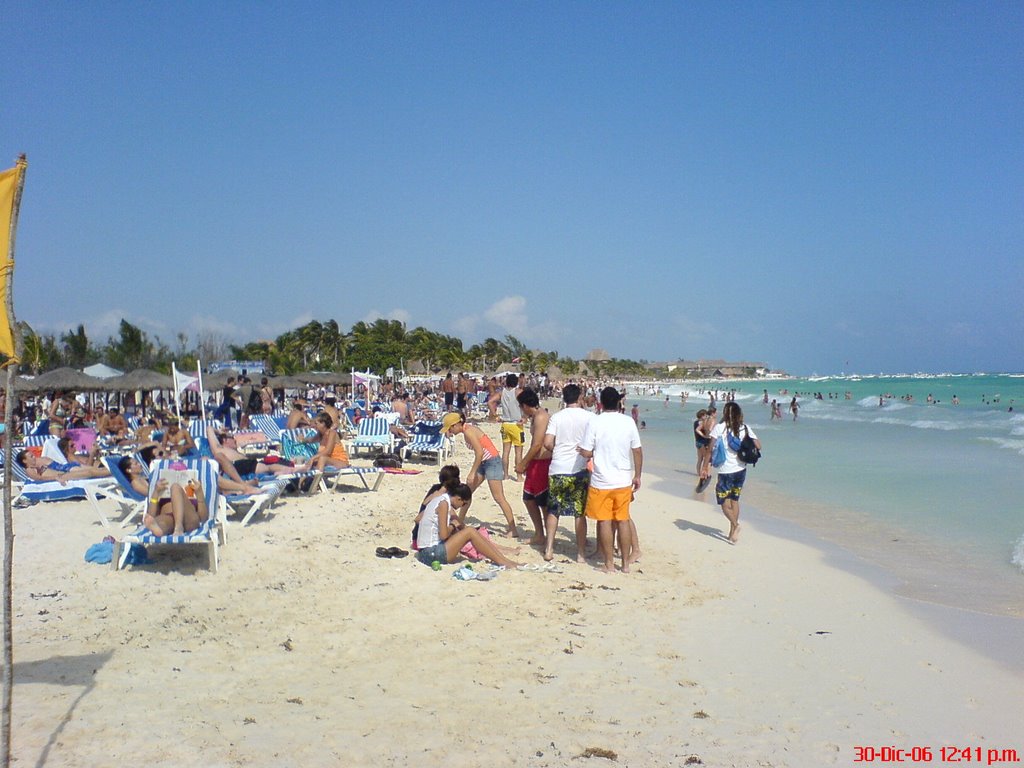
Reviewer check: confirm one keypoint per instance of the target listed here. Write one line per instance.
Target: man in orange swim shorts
(612, 440)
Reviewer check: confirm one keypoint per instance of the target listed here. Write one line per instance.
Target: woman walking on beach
(733, 472)
(486, 463)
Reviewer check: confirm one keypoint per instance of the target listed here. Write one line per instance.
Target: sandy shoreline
(306, 649)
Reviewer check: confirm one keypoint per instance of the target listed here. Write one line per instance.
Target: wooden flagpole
(12, 368)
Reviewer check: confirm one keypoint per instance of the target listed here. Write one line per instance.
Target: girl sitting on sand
(447, 479)
(440, 538)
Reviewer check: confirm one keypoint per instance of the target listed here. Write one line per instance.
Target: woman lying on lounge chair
(440, 537)
(331, 452)
(175, 510)
(133, 470)
(44, 469)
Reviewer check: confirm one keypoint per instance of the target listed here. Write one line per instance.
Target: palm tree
(34, 353)
(569, 366)
(76, 347)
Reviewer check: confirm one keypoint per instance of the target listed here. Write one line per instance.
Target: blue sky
(821, 186)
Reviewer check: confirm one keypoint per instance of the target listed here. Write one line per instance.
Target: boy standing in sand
(511, 423)
(568, 476)
(612, 440)
(534, 465)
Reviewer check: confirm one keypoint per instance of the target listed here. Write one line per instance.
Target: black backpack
(748, 452)
(255, 401)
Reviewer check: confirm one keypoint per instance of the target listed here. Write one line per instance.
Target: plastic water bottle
(436, 565)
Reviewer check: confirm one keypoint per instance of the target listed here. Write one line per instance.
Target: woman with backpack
(732, 472)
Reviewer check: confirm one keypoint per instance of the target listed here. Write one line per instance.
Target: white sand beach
(307, 649)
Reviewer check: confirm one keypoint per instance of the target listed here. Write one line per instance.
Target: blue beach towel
(103, 553)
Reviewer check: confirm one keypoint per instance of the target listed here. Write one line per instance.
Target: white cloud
(466, 326)
(105, 325)
(205, 323)
(509, 314)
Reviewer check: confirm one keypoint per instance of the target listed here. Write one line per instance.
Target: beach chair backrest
(197, 427)
(266, 425)
(111, 463)
(19, 471)
(374, 428)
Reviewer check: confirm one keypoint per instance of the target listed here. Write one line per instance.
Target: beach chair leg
(212, 554)
(378, 481)
(258, 503)
(90, 496)
(114, 561)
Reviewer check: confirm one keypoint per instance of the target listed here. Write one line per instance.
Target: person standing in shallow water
(733, 473)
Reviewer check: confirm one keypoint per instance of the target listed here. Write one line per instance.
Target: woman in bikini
(331, 452)
(175, 510)
(177, 440)
(486, 463)
(43, 469)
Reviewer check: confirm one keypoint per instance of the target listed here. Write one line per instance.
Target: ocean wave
(945, 426)
(1013, 445)
(892, 405)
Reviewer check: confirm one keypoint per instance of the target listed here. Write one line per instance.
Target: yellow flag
(8, 187)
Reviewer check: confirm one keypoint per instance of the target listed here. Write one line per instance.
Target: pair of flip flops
(391, 552)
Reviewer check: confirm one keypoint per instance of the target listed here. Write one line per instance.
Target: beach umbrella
(141, 379)
(324, 378)
(285, 382)
(101, 371)
(61, 379)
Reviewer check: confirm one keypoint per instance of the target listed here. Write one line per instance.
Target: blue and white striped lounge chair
(210, 534)
(24, 487)
(129, 501)
(373, 434)
(427, 438)
(251, 505)
(266, 424)
(197, 428)
(331, 477)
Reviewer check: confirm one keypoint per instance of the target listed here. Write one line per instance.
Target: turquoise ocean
(932, 494)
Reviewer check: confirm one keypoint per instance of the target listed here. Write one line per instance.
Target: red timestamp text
(945, 755)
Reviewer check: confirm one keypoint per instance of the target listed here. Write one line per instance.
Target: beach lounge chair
(25, 488)
(331, 476)
(130, 502)
(266, 424)
(251, 505)
(373, 434)
(210, 534)
(427, 439)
